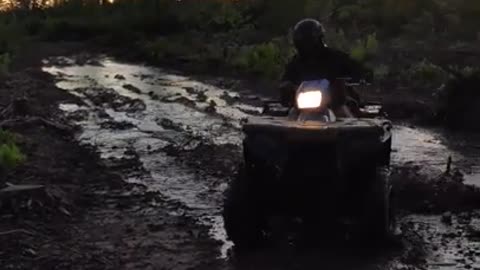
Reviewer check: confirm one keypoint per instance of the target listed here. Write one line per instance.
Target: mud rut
(185, 137)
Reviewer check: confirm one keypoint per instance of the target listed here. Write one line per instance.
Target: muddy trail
(181, 140)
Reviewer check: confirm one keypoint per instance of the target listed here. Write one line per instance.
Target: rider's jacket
(326, 63)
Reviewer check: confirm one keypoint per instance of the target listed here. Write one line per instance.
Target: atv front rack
(367, 110)
(315, 131)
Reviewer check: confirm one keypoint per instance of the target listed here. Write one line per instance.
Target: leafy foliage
(6, 137)
(458, 102)
(4, 63)
(266, 59)
(381, 71)
(364, 49)
(426, 72)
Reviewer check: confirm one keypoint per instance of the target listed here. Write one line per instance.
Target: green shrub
(337, 39)
(10, 156)
(73, 29)
(319, 9)
(168, 47)
(348, 12)
(228, 17)
(11, 37)
(358, 51)
(4, 63)
(34, 26)
(470, 71)
(7, 137)
(371, 44)
(425, 72)
(363, 50)
(266, 59)
(381, 71)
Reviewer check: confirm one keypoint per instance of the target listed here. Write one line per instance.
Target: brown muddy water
(180, 129)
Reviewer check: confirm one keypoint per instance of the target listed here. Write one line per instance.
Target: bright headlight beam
(309, 100)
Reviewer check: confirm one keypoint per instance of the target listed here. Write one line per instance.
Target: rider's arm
(354, 69)
(288, 83)
(357, 71)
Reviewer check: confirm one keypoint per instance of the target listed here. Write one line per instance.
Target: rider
(315, 60)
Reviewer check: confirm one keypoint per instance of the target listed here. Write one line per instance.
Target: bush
(11, 37)
(459, 102)
(338, 40)
(72, 29)
(176, 46)
(4, 63)
(358, 51)
(7, 137)
(266, 59)
(427, 73)
(34, 26)
(381, 72)
(470, 71)
(364, 50)
(10, 156)
(371, 44)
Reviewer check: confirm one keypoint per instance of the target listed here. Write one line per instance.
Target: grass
(10, 154)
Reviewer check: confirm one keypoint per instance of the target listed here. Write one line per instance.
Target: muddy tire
(381, 212)
(242, 212)
(387, 152)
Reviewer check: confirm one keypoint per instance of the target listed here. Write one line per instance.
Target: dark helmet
(308, 34)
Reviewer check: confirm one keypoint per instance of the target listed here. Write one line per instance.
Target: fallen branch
(449, 165)
(193, 138)
(16, 231)
(6, 111)
(18, 188)
(18, 106)
(35, 121)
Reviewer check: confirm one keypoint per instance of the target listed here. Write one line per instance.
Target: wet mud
(72, 209)
(181, 139)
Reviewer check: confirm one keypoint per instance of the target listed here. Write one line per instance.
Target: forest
(402, 40)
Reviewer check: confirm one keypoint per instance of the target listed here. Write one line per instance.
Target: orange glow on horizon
(12, 4)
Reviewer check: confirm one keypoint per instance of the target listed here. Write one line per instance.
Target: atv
(306, 163)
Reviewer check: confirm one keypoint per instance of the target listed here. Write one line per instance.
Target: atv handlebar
(349, 81)
(274, 108)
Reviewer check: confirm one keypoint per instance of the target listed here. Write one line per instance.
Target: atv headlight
(309, 100)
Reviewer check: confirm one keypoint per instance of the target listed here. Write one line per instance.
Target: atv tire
(381, 216)
(242, 214)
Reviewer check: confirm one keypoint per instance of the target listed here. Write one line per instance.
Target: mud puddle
(164, 121)
(430, 150)
(453, 241)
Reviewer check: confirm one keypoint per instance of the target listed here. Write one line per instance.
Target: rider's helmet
(308, 36)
